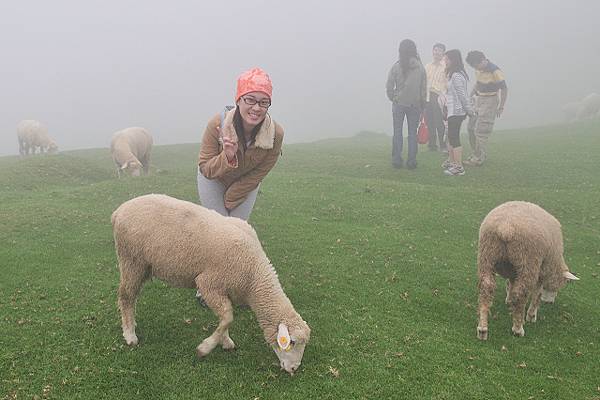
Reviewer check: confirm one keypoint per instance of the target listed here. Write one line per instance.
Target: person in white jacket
(458, 107)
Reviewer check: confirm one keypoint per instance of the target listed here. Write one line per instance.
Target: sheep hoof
(200, 353)
(518, 331)
(228, 344)
(482, 333)
(203, 349)
(131, 339)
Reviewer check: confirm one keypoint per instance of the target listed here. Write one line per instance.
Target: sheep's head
(133, 167)
(52, 148)
(549, 293)
(291, 341)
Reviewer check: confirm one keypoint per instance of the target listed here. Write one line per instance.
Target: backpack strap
(225, 110)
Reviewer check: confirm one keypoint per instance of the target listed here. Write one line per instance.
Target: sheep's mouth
(548, 297)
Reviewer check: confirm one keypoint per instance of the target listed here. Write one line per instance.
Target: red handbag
(422, 132)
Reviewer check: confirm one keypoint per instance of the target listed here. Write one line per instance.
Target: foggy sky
(89, 68)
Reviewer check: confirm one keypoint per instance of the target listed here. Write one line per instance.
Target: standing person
(490, 85)
(459, 106)
(407, 90)
(239, 148)
(436, 86)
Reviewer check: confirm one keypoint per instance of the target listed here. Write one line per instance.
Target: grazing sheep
(590, 107)
(189, 246)
(32, 134)
(130, 149)
(523, 243)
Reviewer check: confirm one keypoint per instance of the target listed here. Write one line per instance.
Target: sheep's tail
(505, 231)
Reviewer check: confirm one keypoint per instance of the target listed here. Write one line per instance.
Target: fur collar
(265, 137)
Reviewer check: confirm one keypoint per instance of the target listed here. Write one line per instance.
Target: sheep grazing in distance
(189, 246)
(32, 134)
(523, 243)
(590, 107)
(130, 149)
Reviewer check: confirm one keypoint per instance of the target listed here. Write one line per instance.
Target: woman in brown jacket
(239, 148)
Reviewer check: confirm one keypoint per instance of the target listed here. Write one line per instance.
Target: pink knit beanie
(254, 80)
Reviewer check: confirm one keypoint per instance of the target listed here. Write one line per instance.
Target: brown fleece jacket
(252, 165)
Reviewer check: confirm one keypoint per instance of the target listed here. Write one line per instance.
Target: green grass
(380, 262)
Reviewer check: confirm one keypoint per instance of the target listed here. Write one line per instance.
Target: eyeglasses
(264, 103)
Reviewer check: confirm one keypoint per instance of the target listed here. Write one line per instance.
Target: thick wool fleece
(523, 243)
(131, 144)
(525, 237)
(34, 134)
(252, 165)
(178, 242)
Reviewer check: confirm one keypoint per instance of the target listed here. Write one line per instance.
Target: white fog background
(89, 68)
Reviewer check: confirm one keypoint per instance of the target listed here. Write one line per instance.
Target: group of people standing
(242, 144)
(439, 91)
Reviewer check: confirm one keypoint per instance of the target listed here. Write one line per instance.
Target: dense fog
(86, 69)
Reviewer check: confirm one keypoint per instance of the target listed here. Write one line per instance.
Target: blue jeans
(412, 114)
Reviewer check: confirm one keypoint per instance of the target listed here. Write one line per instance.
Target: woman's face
(253, 108)
(447, 61)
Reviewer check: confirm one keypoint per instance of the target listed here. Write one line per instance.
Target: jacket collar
(265, 137)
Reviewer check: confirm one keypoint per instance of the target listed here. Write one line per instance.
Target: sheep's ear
(124, 166)
(283, 337)
(570, 276)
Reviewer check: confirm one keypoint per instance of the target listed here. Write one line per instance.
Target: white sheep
(523, 243)
(189, 246)
(589, 107)
(130, 149)
(32, 134)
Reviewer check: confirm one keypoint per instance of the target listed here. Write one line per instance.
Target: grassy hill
(380, 262)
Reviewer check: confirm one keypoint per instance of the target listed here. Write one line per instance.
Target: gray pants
(480, 128)
(212, 196)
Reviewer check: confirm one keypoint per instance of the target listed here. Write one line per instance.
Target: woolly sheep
(189, 246)
(130, 149)
(523, 243)
(590, 107)
(32, 134)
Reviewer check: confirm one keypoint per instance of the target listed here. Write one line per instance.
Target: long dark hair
(456, 64)
(239, 128)
(406, 51)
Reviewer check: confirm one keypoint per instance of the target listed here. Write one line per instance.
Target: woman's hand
(230, 147)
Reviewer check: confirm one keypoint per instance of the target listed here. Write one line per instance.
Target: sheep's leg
(226, 341)
(534, 305)
(507, 300)
(146, 165)
(132, 279)
(487, 287)
(220, 304)
(518, 301)
(224, 311)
